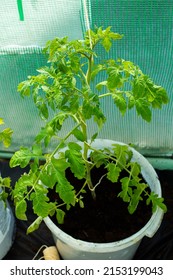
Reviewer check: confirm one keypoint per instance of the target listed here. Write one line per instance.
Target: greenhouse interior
(75, 75)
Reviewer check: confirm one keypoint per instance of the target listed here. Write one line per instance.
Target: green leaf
(94, 136)
(161, 97)
(60, 214)
(98, 158)
(44, 113)
(100, 85)
(24, 88)
(107, 43)
(41, 207)
(99, 117)
(113, 172)
(35, 225)
(63, 186)
(115, 79)
(60, 163)
(47, 71)
(95, 70)
(5, 182)
(3, 196)
(120, 101)
(21, 158)
(37, 150)
(79, 135)
(20, 210)
(74, 157)
(51, 128)
(81, 203)
(136, 198)
(156, 202)
(48, 180)
(5, 137)
(21, 189)
(65, 190)
(45, 134)
(143, 109)
(135, 169)
(123, 154)
(107, 36)
(124, 194)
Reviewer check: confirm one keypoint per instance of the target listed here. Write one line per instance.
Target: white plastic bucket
(6, 229)
(73, 249)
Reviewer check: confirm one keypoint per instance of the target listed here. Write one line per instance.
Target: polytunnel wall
(148, 41)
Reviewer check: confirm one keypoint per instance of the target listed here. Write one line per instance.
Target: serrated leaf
(79, 135)
(135, 169)
(63, 187)
(24, 181)
(125, 189)
(21, 158)
(74, 157)
(41, 207)
(156, 202)
(44, 113)
(100, 85)
(51, 175)
(113, 172)
(107, 36)
(135, 198)
(37, 150)
(161, 204)
(5, 137)
(47, 180)
(60, 214)
(123, 154)
(95, 70)
(3, 196)
(115, 79)
(143, 109)
(35, 225)
(65, 190)
(6, 182)
(49, 72)
(20, 210)
(120, 101)
(60, 164)
(161, 97)
(98, 158)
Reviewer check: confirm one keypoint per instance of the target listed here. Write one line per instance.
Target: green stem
(88, 75)
(85, 156)
(105, 94)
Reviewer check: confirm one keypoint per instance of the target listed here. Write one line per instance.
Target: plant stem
(85, 156)
(88, 75)
(105, 94)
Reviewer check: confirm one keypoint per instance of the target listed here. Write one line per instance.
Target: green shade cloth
(148, 41)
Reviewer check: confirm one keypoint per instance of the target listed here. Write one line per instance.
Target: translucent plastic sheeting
(148, 41)
(42, 20)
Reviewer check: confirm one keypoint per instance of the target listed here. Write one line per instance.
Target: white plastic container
(6, 229)
(73, 249)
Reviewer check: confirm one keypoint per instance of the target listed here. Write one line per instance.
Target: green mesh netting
(148, 41)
